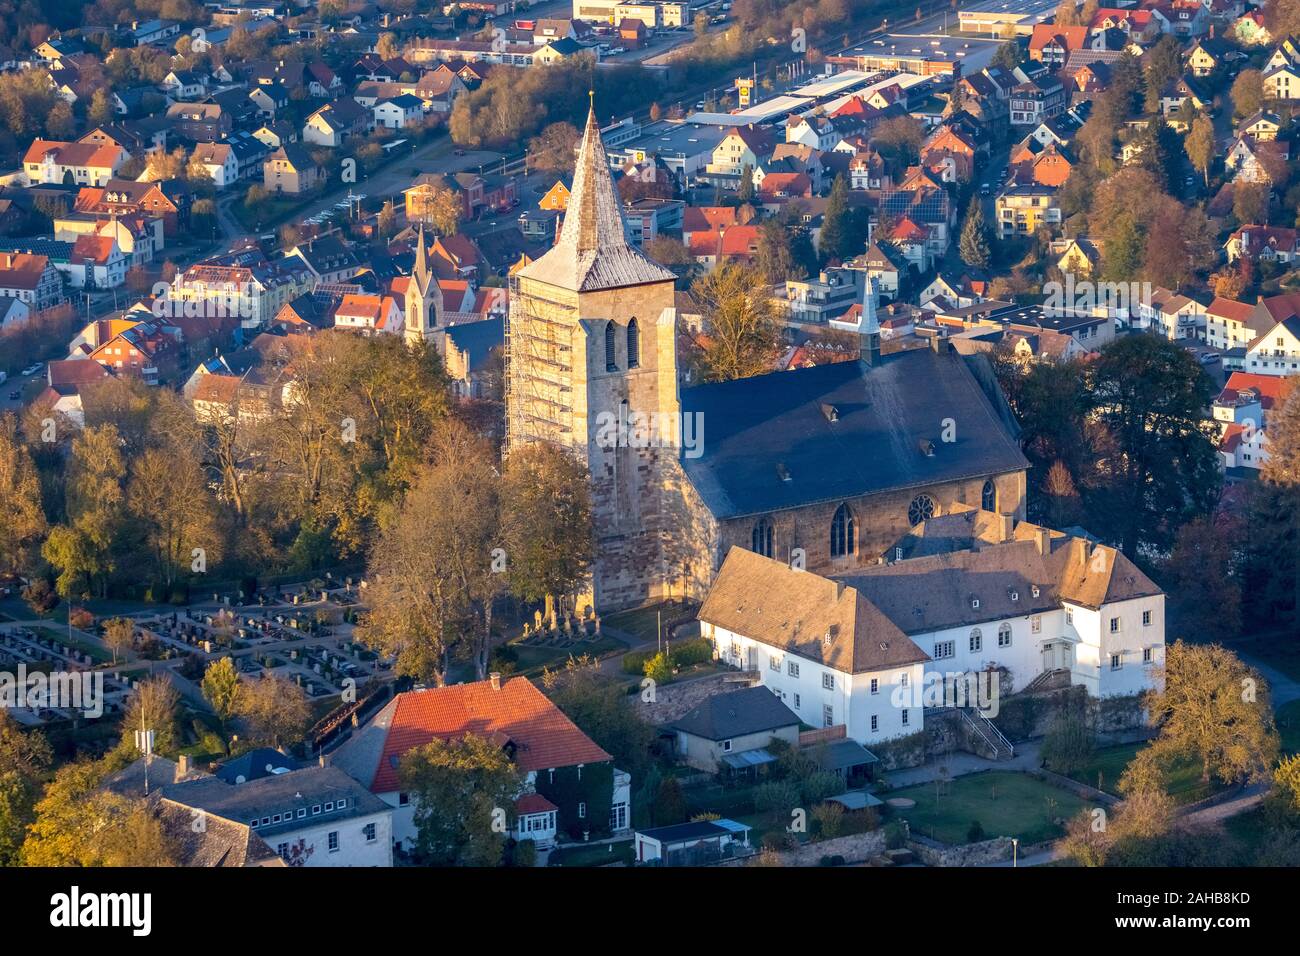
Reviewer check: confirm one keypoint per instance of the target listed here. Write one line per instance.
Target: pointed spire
(869, 326)
(592, 251)
(594, 219)
(420, 271)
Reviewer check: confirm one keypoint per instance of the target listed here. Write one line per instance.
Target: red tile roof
(517, 712)
(534, 803)
(1273, 389)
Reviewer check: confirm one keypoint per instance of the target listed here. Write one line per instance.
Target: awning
(749, 758)
(841, 754)
(855, 800)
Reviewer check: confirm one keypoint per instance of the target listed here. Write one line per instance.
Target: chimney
(939, 344)
(1043, 538)
(325, 760)
(183, 766)
(495, 678)
(1081, 550)
(1006, 527)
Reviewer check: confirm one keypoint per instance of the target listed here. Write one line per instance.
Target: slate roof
(593, 251)
(752, 710)
(806, 614)
(283, 793)
(885, 413)
(477, 339)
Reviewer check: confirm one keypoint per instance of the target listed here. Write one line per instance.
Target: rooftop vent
(926, 447)
(830, 411)
(782, 471)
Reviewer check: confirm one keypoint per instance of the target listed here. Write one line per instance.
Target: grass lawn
(599, 855)
(531, 658)
(1004, 802)
(1288, 725)
(60, 636)
(1108, 765)
(642, 623)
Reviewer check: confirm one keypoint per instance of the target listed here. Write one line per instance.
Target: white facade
(1277, 352)
(1111, 651)
(357, 841)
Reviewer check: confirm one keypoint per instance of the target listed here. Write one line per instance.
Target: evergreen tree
(974, 243)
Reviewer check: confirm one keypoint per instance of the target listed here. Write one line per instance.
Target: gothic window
(843, 533)
(611, 361)
(762, 538)
(633, 345)
(989, 496)
(921, 509)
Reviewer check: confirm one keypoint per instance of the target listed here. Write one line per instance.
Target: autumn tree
(154, 705)
(22, 517)
(221, 688)
(463, 792)
(743, 330)
(119, 635)
(25, 757)
(275, 710)
(1247, 93)
(1210, 708)
(1201, 146)
(554, 149)
(546, 524)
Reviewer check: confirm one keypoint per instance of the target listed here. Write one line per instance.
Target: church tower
(591, 366)
(423, 303)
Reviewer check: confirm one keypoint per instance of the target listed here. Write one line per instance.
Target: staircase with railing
(984, 730)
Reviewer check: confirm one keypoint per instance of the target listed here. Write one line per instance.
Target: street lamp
(1015, 846)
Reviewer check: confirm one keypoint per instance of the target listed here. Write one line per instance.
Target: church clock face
(921, 509)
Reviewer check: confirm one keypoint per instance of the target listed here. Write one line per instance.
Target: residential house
(314, 816)
(30, 278)
(72, 164)
(1021, 210)
(334, 123)
(290, 169)
(219, 161)
(399, 112)
(570, 785)
(730, 732)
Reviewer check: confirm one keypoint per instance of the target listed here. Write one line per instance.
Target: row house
(1037, 100)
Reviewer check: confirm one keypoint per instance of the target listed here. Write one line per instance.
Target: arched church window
(921, 509)
(989, 496)
(762, 538)
(633, 345)
(844, 539)
(611, 361)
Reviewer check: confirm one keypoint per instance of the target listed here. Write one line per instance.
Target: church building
(821, 467)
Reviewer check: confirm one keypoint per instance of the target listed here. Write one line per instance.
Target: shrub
(659, 668)
(777, 797)
(820, 785)
(40, 597)
(830, 820)
(835, 860)
(690, 653)
(634, 662)
(975, 833)
(1070, 742)
(895, 835)
(525, 853)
